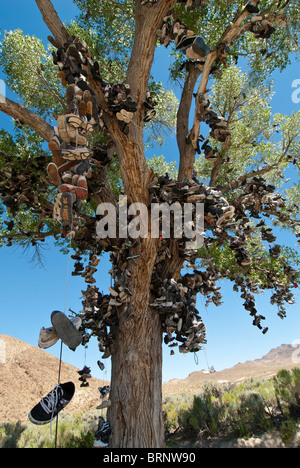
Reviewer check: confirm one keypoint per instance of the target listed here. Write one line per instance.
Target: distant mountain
(28, 373)
(268, 365)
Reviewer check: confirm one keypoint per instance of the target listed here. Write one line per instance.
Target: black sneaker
(48, 408)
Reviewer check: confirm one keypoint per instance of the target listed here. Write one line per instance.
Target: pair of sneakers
(77, 185)
(62, 328)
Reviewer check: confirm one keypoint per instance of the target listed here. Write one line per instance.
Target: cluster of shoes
(100, 312)
(66, 329)
(188, 3)
(263, 27)
(177, 308)
(22, 187)
(272, 280)
(71, 167)
(192, 45)
(218, 125)
(102, 433)
(242, 256)
(85, 374)
(89, 270)
(75, 166)
(121, 103)
(217, 210)
(259, 197)
(98, 315)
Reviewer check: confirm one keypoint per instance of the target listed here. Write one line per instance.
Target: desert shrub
(10, 434)
(288, 431)
(73, 432)
(204, 416)
(248, 415)
(173, 407)
(287, 389)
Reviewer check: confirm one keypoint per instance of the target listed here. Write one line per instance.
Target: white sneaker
(48, 337)
(104, 404)
(99, 444)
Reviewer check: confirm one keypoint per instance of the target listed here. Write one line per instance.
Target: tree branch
(184, 109)
(27, 117)
(53, 22)
(147, 21)
(231, 33)
(187, 158)
(252, 174)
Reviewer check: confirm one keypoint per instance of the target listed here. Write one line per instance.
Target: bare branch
(231, 33)
(53, 22)
(27, 117)
(147, 21)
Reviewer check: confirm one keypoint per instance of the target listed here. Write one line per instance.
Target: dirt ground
(268, 440)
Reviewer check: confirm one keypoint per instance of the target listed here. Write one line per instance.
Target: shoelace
(49, 402)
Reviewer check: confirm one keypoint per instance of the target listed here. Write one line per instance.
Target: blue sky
(29, 294)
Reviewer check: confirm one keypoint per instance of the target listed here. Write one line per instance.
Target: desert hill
(278, 358)
(23, 381)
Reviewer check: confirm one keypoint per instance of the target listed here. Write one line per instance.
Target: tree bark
(136, 394)
(53, 22)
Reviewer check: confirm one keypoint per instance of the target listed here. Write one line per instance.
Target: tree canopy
(233, 152)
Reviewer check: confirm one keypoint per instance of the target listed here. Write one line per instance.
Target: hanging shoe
(66, 330)
(101, 365)
(200, 48)
(149, 115)
(85, 370)
(85, 373)
(104, 404)
(84, 384)
(52, 171)
(48, 336)
(104, 391)
(80, 192)
(73, 154)
(185, 42)
(67, 200)
(56, 400)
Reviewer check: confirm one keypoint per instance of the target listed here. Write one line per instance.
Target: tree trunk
(136, 379)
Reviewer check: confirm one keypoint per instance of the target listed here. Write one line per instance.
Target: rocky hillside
(282, 357)
(23, 381)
